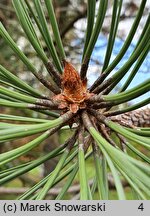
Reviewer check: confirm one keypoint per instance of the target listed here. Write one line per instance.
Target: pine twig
(54, 73)
(103, 86)
(99, 80)
(122, 142)
(103, 130)
(101, 105)
(47, 103)
(84, 68)
(46, 83)
(39, 107)
(86, 120)
(71, 141)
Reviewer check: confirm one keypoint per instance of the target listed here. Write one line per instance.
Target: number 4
(141, 207)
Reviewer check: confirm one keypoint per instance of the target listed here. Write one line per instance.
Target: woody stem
(84, 68)
(54, 73)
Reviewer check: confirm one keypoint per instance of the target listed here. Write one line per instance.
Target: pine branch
(54, 73)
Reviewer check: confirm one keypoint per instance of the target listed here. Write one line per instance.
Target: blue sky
(141, 76)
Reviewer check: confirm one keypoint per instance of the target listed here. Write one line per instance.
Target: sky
(123, 30)
(99, 53)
